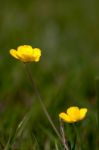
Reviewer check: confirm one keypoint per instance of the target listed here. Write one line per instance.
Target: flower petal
(74, 113)
(25, 53)
(65, 117)
(25, 49)
(83, 112)
(36, 54)
(13, 52)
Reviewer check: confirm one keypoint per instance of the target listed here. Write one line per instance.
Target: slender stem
(41, 101)
(78, 137)
(63, 136)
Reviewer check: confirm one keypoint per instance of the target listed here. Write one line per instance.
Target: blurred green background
(67, 32)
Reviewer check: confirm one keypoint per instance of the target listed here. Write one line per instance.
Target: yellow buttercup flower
(73, 114)
(26, 53)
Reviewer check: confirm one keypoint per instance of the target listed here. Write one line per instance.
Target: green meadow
(67, 32)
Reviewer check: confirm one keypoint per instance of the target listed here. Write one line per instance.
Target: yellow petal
(65, 117)
(13, 52)
(83, 112)
(74, 113)
(36, 54)
(25, 53)
(25, 49)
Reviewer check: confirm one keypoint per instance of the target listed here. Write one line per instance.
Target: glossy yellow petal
(13, 52)
(36, 54)
(65, 117)
(25, 58)
(25, 49)
(25, 53)
(73, 113)
(83, 112)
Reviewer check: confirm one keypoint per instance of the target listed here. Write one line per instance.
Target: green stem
(41, 101)
(78, 137)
